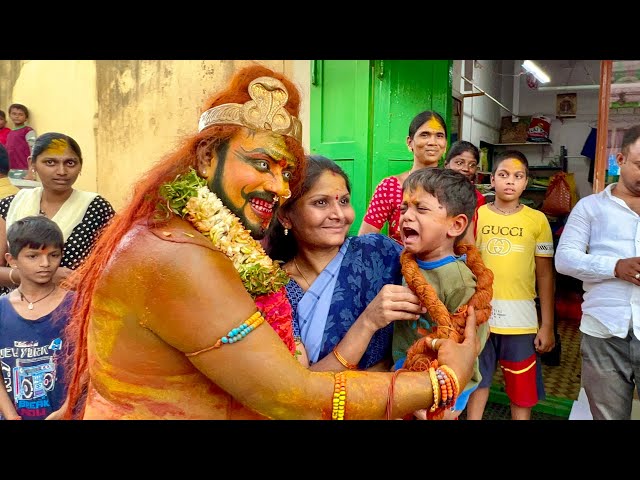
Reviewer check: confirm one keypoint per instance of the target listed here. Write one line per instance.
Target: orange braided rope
(420, 356)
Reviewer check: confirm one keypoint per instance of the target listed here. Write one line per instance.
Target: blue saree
(323, 314)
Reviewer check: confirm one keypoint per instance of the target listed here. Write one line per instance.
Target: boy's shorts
(520, 364)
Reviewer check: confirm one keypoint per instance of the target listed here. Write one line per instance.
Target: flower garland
(189, 197)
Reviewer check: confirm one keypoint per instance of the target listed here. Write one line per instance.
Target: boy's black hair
(461, 146)
(19, 106)
(4, 161)
(501, 156)
(3, 115)
(36, 231)
(453, 190)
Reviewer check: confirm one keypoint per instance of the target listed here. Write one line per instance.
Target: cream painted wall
(61, 97)
(127, 114)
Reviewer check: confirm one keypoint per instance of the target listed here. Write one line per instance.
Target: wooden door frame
(606, 75)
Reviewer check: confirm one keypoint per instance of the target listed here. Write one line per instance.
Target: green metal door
(340, 121)
(360, 115)
(401, 90)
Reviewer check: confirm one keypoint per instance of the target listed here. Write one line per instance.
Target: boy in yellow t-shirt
(516, 243)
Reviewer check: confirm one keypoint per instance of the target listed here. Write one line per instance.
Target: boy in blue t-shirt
(33, 318)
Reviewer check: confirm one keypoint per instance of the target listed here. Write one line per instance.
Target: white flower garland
(189, 197)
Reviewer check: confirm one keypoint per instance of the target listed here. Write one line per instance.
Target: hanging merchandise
(539, 128)
(558, 199)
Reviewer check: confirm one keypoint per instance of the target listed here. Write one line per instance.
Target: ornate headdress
(264, 112)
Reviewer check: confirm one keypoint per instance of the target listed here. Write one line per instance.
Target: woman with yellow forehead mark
(427, 140)
(56, 159)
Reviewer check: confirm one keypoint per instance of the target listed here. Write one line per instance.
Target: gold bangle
(11, 277)
(342, 360)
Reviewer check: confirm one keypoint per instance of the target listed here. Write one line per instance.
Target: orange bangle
(342, 360)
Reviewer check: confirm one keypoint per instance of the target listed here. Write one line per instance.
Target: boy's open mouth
(408, 232)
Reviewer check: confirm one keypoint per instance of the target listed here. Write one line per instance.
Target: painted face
(18, 117)
(424, 225)
(37, 265)
(466, 164)
(428, 144)
(252, 177)
(58, 166)
(630, 169)
(510, 180)
(321, 218)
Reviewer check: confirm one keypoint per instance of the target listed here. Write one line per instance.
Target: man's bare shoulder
(175, 246)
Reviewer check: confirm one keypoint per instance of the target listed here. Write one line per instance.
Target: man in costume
(169, 312)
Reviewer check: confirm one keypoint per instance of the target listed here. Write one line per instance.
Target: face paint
(253, 171)
(57, 146)
(434, 124)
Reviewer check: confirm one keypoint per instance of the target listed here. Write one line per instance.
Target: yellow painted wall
(61, 97)
(125, 114)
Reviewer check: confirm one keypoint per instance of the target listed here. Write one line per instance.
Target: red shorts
(520, 366)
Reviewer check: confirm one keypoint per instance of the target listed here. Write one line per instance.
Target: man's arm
(571, 255)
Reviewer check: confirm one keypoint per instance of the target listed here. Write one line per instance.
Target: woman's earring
(286, 231)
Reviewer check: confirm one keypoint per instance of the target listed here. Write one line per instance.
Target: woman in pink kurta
(427, 140)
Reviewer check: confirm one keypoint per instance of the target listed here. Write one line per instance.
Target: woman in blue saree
(344, 291)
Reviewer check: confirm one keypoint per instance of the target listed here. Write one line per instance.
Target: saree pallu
(351, 281)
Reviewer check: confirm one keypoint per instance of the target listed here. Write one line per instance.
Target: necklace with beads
(506, 212)
(23, 297)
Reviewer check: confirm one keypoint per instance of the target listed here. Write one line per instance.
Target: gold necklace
(505, 212)
(23, 297)
(300, 272)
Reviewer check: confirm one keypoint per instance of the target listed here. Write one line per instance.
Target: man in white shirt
(600, 245)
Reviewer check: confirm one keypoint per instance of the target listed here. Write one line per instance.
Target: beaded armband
(235, 334)
(339, 396)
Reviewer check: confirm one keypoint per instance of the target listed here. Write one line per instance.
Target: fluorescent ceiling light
(535, 70)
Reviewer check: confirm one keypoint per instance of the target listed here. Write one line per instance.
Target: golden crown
(264, 112)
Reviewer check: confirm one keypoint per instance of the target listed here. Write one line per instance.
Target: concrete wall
(125, 114)
(480, 115)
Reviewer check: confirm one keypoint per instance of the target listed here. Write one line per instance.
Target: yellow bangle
(435, 387)
(342, 360)
(339, 400)
(11, 277)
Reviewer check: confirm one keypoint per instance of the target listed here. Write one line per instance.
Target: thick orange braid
(420, 355)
